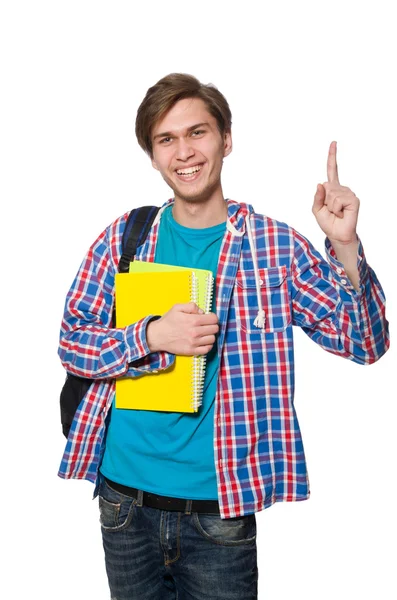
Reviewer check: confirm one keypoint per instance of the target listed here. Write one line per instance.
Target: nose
(184, 150)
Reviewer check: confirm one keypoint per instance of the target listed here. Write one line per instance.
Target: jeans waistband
(167, 502)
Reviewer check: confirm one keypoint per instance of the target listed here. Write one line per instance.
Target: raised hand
(336, 206)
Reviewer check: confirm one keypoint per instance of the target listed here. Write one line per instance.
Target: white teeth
(189, 171)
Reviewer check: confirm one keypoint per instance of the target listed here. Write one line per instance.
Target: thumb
(191, 308)
(319, 198)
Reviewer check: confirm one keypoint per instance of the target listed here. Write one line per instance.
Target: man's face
(188, 150)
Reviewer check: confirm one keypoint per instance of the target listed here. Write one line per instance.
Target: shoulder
(271, 225)
(282, 237)
(116, 228)
(108, 243)
(239, 211)
(265, 225)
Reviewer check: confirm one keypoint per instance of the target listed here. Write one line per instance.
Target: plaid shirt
(259, 456)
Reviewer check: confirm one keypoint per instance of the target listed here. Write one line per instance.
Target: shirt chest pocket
(273, 289)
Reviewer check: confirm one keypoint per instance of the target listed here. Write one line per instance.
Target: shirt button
(343, 281)
(339, 270)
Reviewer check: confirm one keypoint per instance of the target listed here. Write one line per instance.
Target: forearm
(100, 352)
(331, 311)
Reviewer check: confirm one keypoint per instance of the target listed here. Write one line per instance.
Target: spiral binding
(199, 362)
(194, 287)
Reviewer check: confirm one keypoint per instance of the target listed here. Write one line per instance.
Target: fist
(183, 330)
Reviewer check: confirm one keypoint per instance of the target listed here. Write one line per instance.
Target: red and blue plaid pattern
(259, 454)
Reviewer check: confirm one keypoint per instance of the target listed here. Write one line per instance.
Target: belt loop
(188, 508)
(139, 500)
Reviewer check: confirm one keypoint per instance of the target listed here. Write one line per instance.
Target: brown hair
(161, 97)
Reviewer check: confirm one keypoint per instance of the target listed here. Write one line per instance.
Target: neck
(199, 215)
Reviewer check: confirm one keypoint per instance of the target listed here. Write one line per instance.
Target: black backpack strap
(136, 229)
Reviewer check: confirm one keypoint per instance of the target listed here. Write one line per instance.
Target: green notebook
(204, 278)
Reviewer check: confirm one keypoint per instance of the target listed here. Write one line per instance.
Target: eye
(165, 140)
(198, 132)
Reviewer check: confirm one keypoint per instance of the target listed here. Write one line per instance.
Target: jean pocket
(226, 532)
(115, 510)
(274, 295)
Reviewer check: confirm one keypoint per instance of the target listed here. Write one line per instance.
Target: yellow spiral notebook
(151, 288)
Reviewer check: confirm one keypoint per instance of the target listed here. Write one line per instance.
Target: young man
(178, 492)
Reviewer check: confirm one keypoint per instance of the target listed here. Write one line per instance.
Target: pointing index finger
(332, 167)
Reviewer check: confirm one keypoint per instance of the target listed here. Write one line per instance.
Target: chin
(194, 196)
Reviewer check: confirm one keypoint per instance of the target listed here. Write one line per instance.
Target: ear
(227, 143)
(154, 164)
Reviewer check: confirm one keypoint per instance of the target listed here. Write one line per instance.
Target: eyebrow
(191, 128)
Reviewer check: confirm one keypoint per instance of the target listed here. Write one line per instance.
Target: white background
(297, 76)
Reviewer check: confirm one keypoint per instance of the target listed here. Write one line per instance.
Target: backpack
(136, 229)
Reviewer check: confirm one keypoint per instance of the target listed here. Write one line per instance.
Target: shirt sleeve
(89, 346)
(331, 311)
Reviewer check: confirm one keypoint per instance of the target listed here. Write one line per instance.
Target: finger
(336, 207)
(210, 319)
(332, 167)
(202, 350)
(204, 330)
(347, 201)
(319, 198)
(206, 341)
(205, 319)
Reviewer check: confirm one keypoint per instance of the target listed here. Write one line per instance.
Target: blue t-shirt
(171, 454)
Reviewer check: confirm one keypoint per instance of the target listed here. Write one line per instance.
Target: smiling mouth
(188, 173)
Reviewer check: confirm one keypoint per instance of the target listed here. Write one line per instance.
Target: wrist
(151, 335)
(345, 252)
(344, 244)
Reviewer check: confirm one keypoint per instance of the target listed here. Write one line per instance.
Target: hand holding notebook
(183, 330)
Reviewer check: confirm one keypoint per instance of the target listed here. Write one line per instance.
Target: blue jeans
(154, 554)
